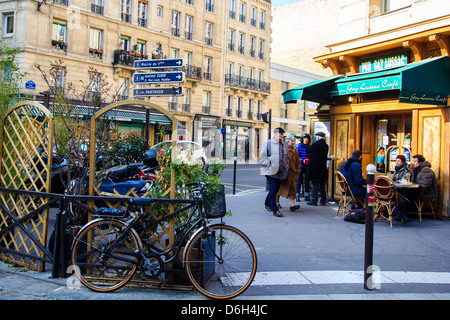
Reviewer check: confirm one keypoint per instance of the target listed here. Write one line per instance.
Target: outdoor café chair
(346, 196)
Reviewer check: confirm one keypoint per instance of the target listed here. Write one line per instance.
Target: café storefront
(391, 106)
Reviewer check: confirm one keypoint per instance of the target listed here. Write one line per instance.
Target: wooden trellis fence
(25, 163)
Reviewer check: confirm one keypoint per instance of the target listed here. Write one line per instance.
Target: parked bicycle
(219, 260)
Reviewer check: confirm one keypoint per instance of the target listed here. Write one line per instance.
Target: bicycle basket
(214, 202)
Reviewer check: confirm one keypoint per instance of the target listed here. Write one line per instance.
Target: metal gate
(26, 146)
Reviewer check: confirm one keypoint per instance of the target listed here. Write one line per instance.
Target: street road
(248, 179)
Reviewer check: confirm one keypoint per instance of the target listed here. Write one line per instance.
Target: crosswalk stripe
(341, 277)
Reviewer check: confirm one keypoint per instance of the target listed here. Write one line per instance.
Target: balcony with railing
(206, 109)
(192, 72)
(246, 83)
(127, 58)
(95, 8)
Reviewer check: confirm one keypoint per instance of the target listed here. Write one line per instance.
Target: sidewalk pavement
(311, 254)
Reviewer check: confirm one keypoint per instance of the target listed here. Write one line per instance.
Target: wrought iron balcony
(127, 58)
(246, 83)
(192, 72)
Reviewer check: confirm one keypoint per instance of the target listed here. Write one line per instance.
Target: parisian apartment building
(224, 44)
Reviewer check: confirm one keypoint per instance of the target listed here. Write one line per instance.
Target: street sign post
(158, 92)
(158, 63)
(158, 77)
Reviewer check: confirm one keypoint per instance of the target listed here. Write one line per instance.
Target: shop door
(394, 134)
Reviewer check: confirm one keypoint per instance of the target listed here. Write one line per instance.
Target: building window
(97, 7)
(229, 110)
(141, 48)
(159, 11)
(259, 111)
(241, 43)
(239, 108)
(208, 33)
(207, 73)
(261, 49)
(142, 14)
(252, 47)
(210, 5)
(124, 43)
(175, 24)
(231, 40)
(262, 20)
(126, 11)
(59, 35)
(232, 10)
(190, 2)
(189, 27)
(8, 29)
(250, 109)
(187, 100)
(253, 16)
(242, 12)
(206, 107)
(95, 43)
(124, 89)
(391, 5)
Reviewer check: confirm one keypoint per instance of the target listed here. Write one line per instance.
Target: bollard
(368, 250)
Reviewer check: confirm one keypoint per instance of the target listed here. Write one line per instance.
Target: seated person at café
(352, 171)
(424, 176)
(401, 169)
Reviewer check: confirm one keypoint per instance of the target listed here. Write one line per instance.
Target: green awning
(424, 82)
(316, 91)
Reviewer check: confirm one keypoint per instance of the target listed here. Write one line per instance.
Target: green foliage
(184, 174)
(130, 146)
(10, 77)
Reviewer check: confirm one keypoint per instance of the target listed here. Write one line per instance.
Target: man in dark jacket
(425, 177)
(352, 171)
(305, 142)
(317, 171)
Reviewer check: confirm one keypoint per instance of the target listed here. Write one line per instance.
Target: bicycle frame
(193, 223)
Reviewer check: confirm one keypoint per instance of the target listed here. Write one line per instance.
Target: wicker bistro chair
(386, 197)
(346, 196)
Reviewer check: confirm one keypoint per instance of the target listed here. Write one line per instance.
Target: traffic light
(265, 117)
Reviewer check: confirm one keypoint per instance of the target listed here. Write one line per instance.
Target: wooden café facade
(388, 98)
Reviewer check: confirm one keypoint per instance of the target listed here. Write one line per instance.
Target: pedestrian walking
(302, 184)
(274, 165)
(288, 186)
(317, 171)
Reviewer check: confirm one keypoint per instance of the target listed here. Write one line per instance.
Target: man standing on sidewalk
(275, 165)
(317, 171)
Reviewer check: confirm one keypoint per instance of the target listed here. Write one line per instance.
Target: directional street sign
(158, 77)
(158, 92)
(158, 63)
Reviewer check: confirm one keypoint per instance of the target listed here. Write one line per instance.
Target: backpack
(356, 215)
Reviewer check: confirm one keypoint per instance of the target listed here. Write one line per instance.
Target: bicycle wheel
(99, 265)
(220, 261)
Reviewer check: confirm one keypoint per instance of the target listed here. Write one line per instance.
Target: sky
(277, 3)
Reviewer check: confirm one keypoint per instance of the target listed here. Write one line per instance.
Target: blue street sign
(158, 63)
(158, 77)
(30, 85)
(158, 92)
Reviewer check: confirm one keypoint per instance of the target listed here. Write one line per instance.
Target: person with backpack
(305, 142)
(274, 166)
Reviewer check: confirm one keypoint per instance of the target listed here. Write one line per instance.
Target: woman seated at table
(401, 169)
